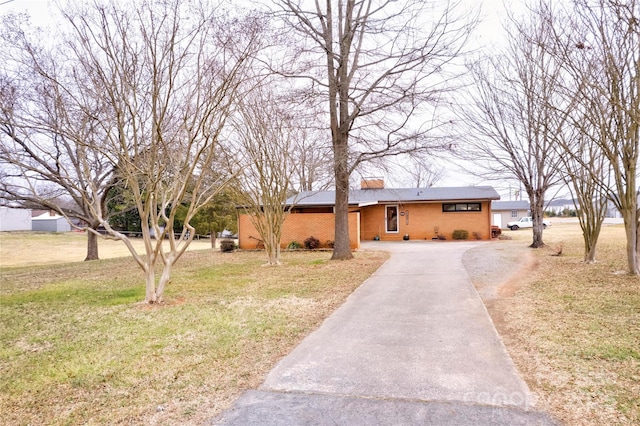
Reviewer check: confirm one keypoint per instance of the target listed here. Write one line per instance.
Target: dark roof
(510, 205)
(560, 203)
(363, 197)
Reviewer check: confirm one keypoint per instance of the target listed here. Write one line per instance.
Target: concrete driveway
(413, 344)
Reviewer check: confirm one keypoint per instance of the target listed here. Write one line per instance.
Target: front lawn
(78, 347)
(574, 329)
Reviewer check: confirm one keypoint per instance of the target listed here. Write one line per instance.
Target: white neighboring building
(48, 222)
(559, 206)
(612, 211)
(15, 219)
(508, 211)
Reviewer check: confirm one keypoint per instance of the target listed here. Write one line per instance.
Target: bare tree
(381, 69)
(265, 140)
(419, 172)
(424, 174)
(511, 124)
(157, 82)
(312, 148)
(312, 171)
(598, 45)
(585, 171)
(586, 175)
(43, 168)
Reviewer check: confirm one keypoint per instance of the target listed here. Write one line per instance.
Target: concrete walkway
(413, 345)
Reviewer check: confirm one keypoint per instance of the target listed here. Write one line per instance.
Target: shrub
(460, 234)
(311, 243)
(441, 237)
(477, 235)
(329, 244)
(227, 246)
(293, 245)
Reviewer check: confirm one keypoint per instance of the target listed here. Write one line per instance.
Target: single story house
(509, 211)
(15, 219)
(387, 214)
(559, 206)
(612, 210)
(50, 222)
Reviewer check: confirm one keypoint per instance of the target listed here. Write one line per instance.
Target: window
(391, 218)
(461, 207)
(514, 213)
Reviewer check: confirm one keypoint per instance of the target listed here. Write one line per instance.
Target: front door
(391, 219)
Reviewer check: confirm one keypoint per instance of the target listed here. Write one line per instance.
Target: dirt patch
(509, 287)
(498, 268)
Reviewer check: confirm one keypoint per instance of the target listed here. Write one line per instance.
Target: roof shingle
(396, 195)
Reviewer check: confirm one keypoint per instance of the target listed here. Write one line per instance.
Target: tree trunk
(272, 247)
(537, 237)
(633, 255)
(537, 215)
(590, 255)
(591, 226)
(342, 246)
(164, 279)
(150, 278)
(92, 246)
(590, 235)
(637, 254)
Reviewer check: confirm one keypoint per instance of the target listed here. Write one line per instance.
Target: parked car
(526, 222)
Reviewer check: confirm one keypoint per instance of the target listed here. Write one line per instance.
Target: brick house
(387, 214)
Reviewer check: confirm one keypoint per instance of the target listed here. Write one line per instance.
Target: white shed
(15, 219)
(48, 222)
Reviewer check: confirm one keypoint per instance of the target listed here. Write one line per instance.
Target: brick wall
(300, 226)
(419, 221)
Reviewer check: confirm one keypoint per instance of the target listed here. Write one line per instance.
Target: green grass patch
(77, 345)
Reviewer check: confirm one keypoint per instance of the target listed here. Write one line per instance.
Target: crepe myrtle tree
(586, 172)
(268, 140)
(597, 43)
(154, 82)
(381, 69)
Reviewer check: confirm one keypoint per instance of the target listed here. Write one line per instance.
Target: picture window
(461, 207)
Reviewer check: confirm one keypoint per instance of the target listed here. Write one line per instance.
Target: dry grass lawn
(24, 249)
(78, 347)
(574, 329)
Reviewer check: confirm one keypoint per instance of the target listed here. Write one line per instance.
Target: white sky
(39, 10)
(489, 34)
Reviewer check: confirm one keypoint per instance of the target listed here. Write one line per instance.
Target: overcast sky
(489, 34)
